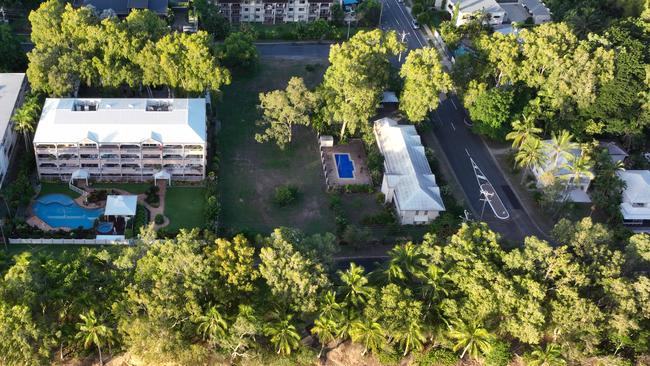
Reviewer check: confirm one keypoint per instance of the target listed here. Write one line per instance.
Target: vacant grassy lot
(251, 171)
(184, 207)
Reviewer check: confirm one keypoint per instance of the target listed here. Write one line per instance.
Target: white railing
(71, 241)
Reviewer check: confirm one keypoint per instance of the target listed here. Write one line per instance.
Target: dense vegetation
(194, 298)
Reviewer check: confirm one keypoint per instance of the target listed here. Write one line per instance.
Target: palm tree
(472, 338)
(531, 154)
(369, 333)
(560, 146)
(522, 130)
(92, 331)
(578, 167)
(433, 284)
(283, 335)
(25, 118)
(411, 337)
(551, 355)
(408, 259)
(354, 285)
(326, 330)
(212, 326)
(329, 307)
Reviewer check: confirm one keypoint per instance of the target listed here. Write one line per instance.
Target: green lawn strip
(134, 188)
(251, 171)
(184, 207)
(57, 188)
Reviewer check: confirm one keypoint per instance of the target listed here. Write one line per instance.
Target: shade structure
(80, 174)
(121, 205)
(163, 174)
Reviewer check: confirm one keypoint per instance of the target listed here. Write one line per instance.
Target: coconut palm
(284, 335)
(212, 326)
(326, 330)
(354, 286)
(531, 154)
(329, 307)
(471, 337)
(369, 333)
(551, 355)
(410, 337)
(92, 332)
(406, 259)
(560, 147)
(522, 130)
(25, 118)
(578, 167)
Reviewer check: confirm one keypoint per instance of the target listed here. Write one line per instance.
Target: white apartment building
(12, 93)
(122, 139)
(636, 197)
(470, 9)
(274, 12)
(408, 181)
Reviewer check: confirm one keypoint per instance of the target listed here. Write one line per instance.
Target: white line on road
(407, 18)
(453, 126)
(452, 102)
(466, 152)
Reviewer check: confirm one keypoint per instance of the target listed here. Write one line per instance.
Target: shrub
(159, 219)
(436, 357)
(152, 196)
(499, 354)
(285, 195)
(385, 217)
(97, 195)
(128, 233)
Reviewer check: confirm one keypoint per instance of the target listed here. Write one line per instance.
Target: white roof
(637, 185)
(407, 170)
(122, 205)
(473, 6)
(122, 121)
(10, 87)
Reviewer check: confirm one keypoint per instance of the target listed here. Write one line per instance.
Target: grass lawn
(134, 188)
(184, 207)
(52, 188)
(251, 171)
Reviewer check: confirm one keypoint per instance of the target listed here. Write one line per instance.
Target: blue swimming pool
(461, 50)
(344, 165)
(59, 210)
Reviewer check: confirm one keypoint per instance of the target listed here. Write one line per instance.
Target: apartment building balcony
(194, 162)
(87, 150)
(113, 150)
(130, 170)
(130, 160)
(48, 150)
(151, 160)
(130, 150)
(48, 170)
(111, 160)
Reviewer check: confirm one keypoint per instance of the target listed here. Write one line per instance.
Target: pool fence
(71, 241)
(325, 141)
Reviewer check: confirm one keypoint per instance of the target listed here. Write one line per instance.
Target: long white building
(12, 93)
(408, 181)
(122, 139)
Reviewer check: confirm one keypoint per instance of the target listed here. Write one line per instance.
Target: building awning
(80, 174)
(122, 205)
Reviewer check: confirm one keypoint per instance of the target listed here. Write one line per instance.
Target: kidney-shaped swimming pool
(59, 210)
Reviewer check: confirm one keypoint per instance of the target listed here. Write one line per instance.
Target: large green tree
(358, 73)
(12, 56)
(424, 80)
(282, 109)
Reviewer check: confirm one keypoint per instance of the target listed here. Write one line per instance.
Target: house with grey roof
(472, 9)
(408, 181)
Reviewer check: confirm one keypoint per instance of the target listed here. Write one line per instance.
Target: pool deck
(35, 221)
(354, 148)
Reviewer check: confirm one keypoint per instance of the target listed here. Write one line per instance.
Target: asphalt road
(459, 143)
(455, 138)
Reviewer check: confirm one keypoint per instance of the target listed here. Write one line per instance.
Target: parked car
(415, 24)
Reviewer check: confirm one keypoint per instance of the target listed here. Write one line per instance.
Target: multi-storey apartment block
(12, 93)
(122, 139)
(274, 11)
